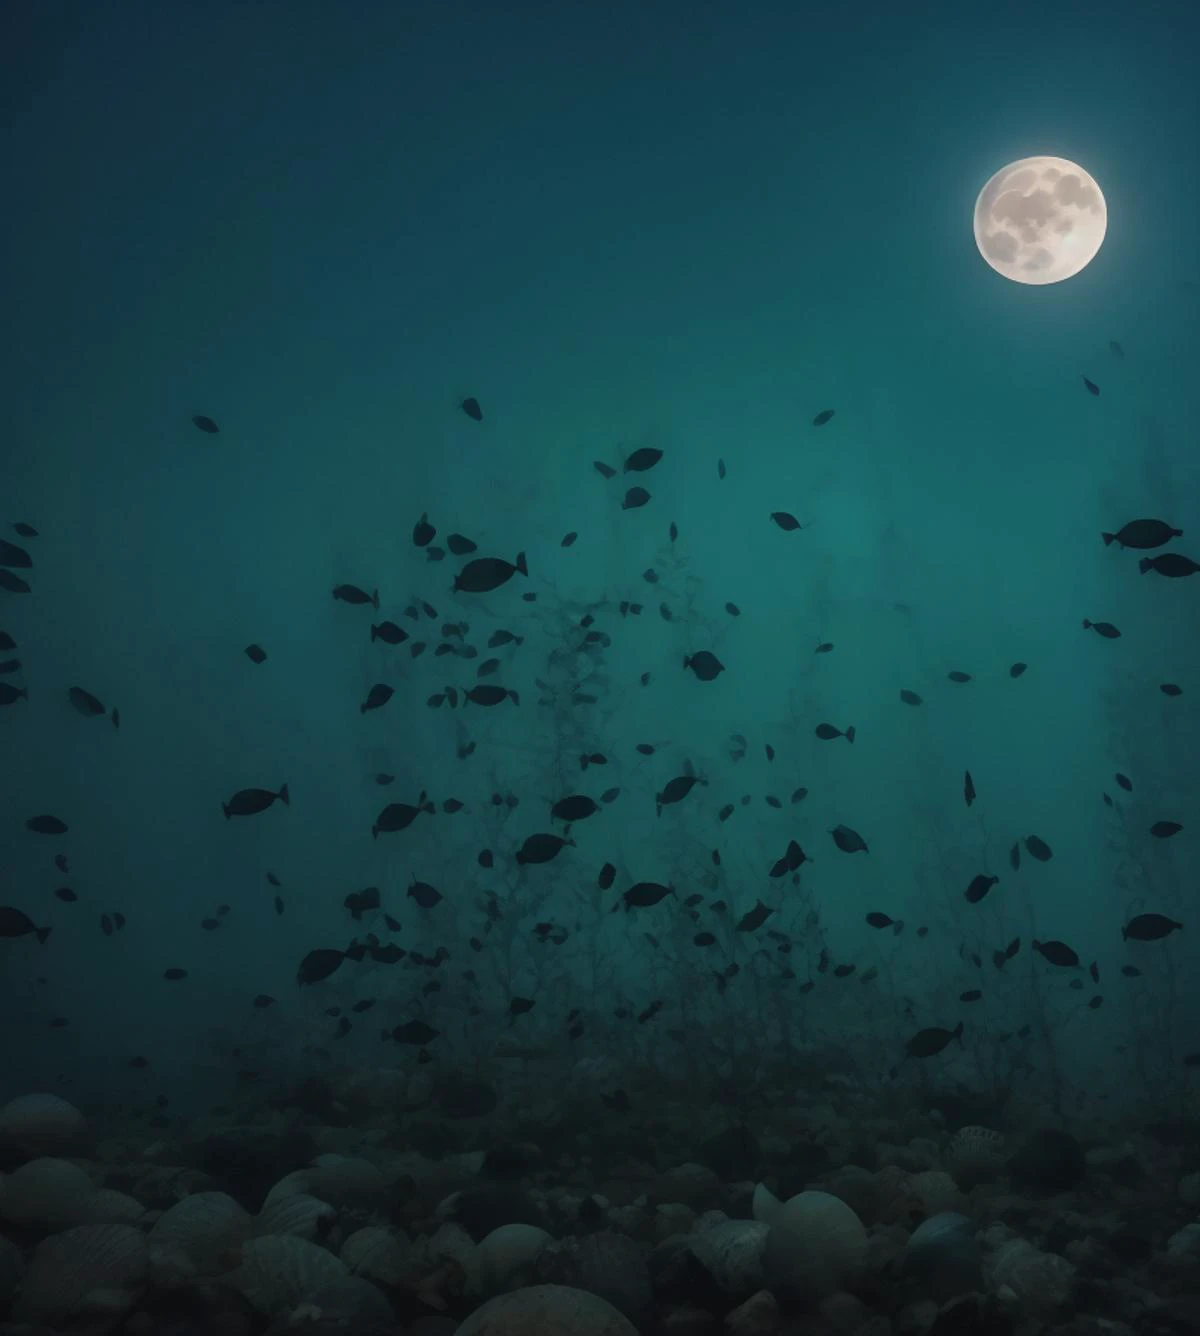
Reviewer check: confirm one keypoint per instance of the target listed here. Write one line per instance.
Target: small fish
(389, 633)
(1057, 953)
(541, 848)
(1092, 387)
(642, 460)
(956, 676)
(1149, 928)
(360, 902)
(930, 1042)
(13, 583)
(720, 468)
(575, 807)
(66, 895)
(1017, 669)
(349, 593)
(485, 574)
(415, 1032)
(1038, 848)
(603, 469)
(879, 920)
(498, 638)
(255, 653)
(849, 841)
(1131, 971)
(205, 424)
(1163, 830)
(607, 876)
(704, 664)
(827, 732)
(971, 995)
(399, 816)
(1170, 689)
(1115, 348)
(823, 417)
(470, 406)
(14, 923)
(379, 695)
(319, 964)
(979, 887)
(787, 522)
(1105, 629)
(910, 697)
(9, 695)
(248, 802)
(968, 787)
(518, 1006)
(1144, 534)
(635, 498)
(754, 918)
(825, 647)
(643, 894)
(568, 539)
(1172, 564)
(25, 530)
(12, 555)
(423, 532)
(46, 824)
(175, 973)
(89, 706)
(1125, 782)
(425, 895)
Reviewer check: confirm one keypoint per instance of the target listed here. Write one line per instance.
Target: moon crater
(1040, 220)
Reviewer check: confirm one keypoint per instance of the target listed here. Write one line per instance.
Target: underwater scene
(599, 669)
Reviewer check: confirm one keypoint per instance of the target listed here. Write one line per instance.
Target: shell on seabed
(88, 1269)
(42, 1124)
(44, 1192)
(815, 1246)
(280, 1271)
(298, 1213)
(504, 1258)
(731, 1251)
(201, 1235)
(938, 1192)
(378, 1254)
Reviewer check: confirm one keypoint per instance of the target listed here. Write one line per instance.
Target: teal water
(685, 227)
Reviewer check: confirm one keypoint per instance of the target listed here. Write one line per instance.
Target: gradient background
(687, 225)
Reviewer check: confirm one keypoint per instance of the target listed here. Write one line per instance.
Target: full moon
(1040, 220)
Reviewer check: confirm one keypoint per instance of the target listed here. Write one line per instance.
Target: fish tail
(520, 563)
(516, 700)
(116, 717)
(850, 733)
(225, 809)
(1087, 626)
(958, 1029)
(374, 832)
(1144, 565)
(375, 599)
(42, 934)
(362, 709)
(374, 633)
(24, 692)
(283, 793)
(1108, 537)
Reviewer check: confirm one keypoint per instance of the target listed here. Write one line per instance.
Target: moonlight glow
(1040, 220)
